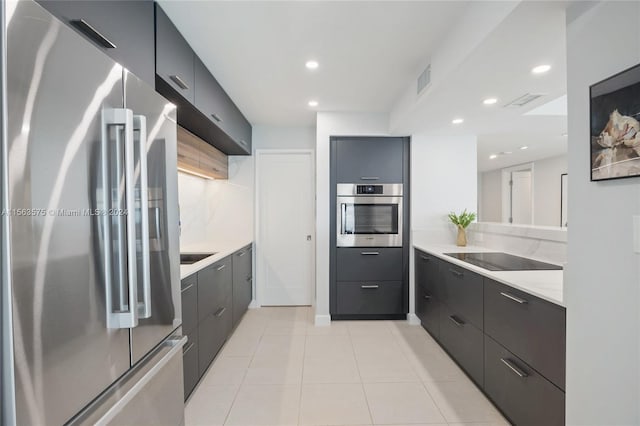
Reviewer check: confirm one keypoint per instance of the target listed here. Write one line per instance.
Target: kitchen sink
(190, 258)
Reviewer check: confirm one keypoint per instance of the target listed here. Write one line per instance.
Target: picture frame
(614, 119)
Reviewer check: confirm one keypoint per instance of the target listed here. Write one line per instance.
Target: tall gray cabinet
(369, 282)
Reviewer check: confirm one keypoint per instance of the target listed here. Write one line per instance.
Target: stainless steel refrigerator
(92, 282)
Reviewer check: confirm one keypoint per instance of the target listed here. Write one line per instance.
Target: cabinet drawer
(522, 394)
(212, 332)
(428, 310)
(462, 290)
(370, 298)
(190, 307)
(214, 287)
(531, 328)
(463, 341)
(362, 264)
(242, 282)
(428, 273)
(190, 364)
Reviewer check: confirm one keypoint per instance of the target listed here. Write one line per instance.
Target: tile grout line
(304, 351)
(364, 391)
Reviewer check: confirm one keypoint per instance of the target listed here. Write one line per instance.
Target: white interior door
(521, 205)
(285, 215)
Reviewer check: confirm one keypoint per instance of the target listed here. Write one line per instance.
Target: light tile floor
(279, 369)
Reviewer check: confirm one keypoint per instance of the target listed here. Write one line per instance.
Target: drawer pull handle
(425, 258)
(513, 368)
(180, 82)
(371, 287)
(369, 178)
(242, 254)
(456, 273)
(514, 298)
(220, 312)
(427, 297)
(217, 118)
(187, 288)
(220, 268)
(91, 32)
(370, 253)
(456, 321)
(243, 142)
(188, 348)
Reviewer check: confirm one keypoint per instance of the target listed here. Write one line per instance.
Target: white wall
(603, 275)
(443, 179)
(334, 124)
(491, 196)
(546, 192)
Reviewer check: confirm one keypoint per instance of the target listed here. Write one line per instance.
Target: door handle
(370, 253)
(308, 237)
(180, 82)
(140, 125)
(519, 372)
(217, 117)
(124, 273)
(92, 33)
(514, 298)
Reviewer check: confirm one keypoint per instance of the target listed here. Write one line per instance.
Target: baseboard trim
(254, 304)
(413, 319)
(323, 320)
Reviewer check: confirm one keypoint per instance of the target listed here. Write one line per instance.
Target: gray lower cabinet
(462, 290)
(242, 282)
(428, 291)
(213, 302)
(370, 160)
(464, 342)
(531, 328)
(378, 264)
(523, 395)
(370, 298)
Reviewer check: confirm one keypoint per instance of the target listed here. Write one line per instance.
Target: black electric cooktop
(496, 261)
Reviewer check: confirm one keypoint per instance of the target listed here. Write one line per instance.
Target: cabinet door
(242, 283)
(190, 364)
(211, 99)
(428, 273)
(531, 328)
(123, 30)
(428, 310)
(464, 342)
(370, 298)
(174, 57)
(370, 160)
(462, 290)
(240, 129)
(522, 394)
(370, 263)
(189, 305)
(214, 287)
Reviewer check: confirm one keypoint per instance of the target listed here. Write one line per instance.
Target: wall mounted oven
(369, 215)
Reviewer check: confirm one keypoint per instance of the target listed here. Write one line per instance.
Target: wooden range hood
(198, 158)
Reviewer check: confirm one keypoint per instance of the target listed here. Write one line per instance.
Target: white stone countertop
(546, 285)
(221, 251)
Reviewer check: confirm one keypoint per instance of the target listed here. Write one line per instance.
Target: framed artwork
(615, 129)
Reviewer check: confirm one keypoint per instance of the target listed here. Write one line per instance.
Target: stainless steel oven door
(369, 221)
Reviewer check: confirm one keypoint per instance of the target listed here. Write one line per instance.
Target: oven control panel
(369, 189)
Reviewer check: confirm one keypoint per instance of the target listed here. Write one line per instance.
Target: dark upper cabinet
(370, 160)
(175, 60)
(124, 30)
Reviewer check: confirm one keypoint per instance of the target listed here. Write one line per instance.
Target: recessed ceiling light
(524, 147)
(490, 101)
(493, 157)
(541, 69)
(457, 121)
(312, 65)
(313, 103)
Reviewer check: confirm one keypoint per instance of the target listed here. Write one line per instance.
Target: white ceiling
(368, 51)
(500, 67)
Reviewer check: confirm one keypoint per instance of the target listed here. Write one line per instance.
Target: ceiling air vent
(424, 79)
(523, 100)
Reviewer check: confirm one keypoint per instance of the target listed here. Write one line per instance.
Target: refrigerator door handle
(140, 126)
(126, 314)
